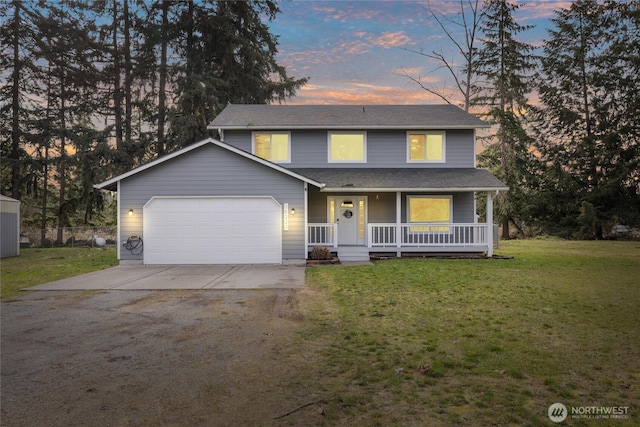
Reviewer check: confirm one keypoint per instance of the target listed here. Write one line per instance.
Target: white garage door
(212, 230)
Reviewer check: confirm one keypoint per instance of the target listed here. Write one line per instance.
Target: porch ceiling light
(130, 212)
(347, 204)
(293, 211)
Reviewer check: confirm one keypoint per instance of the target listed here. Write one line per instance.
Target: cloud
(541, 9)
(346, 12)
(387, 40)
(362, 93)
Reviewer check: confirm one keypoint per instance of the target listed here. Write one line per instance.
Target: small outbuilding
(9, 227)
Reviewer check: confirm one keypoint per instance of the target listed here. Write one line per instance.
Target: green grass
(37, 266)
(478, 342)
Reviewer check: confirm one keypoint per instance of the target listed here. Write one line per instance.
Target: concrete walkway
(184, 277)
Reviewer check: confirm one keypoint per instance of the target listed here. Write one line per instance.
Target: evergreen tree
(19, 88)
(229, 57)
(67, 49)
(92, 89)
(589, 119)
(507, 65)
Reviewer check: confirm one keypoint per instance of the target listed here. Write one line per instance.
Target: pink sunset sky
(356, 52)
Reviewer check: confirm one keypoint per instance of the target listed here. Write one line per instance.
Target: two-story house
(281, 179)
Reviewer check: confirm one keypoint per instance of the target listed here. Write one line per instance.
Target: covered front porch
(402, 238)
(361, 213)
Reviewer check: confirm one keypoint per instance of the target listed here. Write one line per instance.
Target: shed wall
(9, 228)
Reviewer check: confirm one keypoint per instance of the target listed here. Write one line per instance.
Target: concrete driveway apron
(184, 277)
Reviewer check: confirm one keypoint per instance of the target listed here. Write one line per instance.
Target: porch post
(306, 220)
(489, 224)
(398, 223)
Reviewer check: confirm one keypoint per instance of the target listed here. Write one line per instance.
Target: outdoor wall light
(293, 211)
(130, 212)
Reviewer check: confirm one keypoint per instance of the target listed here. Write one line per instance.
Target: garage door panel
(212, 231)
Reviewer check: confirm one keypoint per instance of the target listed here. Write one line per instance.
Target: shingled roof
(406, 179)
(345, 117)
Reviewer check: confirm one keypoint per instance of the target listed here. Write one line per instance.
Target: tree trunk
(62, 166)
(15, 106)
(505, 228)
(117, 90)
(127, 80)
(162, 95)
(45, 193)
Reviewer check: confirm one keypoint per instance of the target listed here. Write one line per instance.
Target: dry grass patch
(36, 266)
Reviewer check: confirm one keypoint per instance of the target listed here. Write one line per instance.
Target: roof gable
(236, 116)
(111, 184)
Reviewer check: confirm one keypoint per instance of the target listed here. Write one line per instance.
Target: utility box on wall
(9, 227)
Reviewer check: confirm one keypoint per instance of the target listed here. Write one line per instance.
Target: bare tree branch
(429, 89)
(463, 75)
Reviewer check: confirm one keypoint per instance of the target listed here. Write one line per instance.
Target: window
(272, 146)
(348, 147)
(425, 147)
(429, 209)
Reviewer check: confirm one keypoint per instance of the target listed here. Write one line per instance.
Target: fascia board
(431, 190)
(267, 163)
(200, 144)
(152, 164)
(350, 127)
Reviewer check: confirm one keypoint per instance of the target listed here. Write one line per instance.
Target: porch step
(353, 253)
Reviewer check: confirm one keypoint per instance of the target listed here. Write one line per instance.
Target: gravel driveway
(185, 357)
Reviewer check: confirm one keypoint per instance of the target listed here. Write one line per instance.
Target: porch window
(430, 209)
(426, 147)
(274, 147)
(347, 147)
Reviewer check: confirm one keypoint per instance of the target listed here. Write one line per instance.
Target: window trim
(430, 196)
(331, 133)
(426, 133)
(253, 144)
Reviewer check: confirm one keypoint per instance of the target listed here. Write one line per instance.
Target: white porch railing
(323, 235)
(427, 234)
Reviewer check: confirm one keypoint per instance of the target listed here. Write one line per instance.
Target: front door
(350, 214)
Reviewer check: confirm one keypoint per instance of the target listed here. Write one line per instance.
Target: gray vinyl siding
(238, 138)
(464, 208)
(212, 171)
(382, 209)
(385, 149)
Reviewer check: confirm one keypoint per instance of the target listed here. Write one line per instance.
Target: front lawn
(36, 266)
(477, 342)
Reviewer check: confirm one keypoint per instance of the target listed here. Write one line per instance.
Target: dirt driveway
(137, 358)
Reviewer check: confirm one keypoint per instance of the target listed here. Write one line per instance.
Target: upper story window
(347, 147)
(273, 146)
(426, 147)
